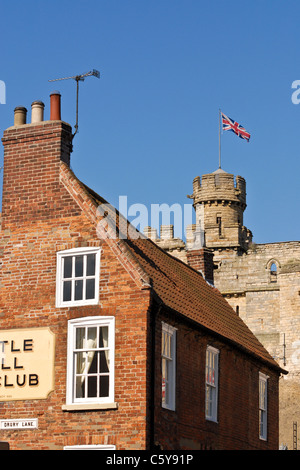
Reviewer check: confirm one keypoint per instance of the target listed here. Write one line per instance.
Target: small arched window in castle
(273, 272)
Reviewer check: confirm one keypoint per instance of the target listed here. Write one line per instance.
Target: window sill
(212, 420)
(90, 406)
(77, 303)
(166, 407)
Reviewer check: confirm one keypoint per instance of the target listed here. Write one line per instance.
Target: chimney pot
(20, 116)
(55, 114)
(37, 111)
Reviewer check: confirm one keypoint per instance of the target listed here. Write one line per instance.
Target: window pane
(79, 387)
(104, 385)
(67, 267)
(104, 361)
(80, 362)
(165, 393)
(92, 386)
(273, 268)
(78, 266)
(164, 368)
(67, 291)
(90, 265)
(163, 339)
(78, 290)
(209, 402)
(93, 363)
(90, 289)
(92, 336)
(80, 332)
(262, 424)
(103, 337)
(211, 377)
(166, 345)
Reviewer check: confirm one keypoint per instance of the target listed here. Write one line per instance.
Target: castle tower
(219, 202)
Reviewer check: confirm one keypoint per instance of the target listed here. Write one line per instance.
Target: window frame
(170, 368)
(263, 406)
(211, 389)
(71, 400)
(82, 251)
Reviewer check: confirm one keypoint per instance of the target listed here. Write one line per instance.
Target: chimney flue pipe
(37, 111)
(55, 114)
(20, 116)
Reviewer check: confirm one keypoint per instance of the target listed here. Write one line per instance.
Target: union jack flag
(229, 124)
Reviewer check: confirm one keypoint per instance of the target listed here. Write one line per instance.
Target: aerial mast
(78, 78)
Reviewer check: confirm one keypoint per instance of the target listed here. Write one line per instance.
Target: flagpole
(219, 138)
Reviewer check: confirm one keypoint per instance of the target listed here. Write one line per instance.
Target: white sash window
(263, 405)
(168, 356)
(77, 278)
(90, 375)
(211, 378)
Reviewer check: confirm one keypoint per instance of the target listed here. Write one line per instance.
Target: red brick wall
(238, 416)
(28, 300)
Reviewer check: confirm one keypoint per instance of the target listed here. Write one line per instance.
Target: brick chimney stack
(202, 260)
(32, 156)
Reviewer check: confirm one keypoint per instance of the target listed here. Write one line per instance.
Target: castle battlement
(219, 186)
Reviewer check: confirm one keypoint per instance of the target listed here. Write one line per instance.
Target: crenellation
(166, 241)
(219, 186)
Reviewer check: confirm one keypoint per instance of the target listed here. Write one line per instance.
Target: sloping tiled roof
(183, 289)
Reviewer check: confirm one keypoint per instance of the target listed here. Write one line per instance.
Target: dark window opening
(219, 223)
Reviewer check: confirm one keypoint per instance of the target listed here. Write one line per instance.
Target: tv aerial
(78, 78)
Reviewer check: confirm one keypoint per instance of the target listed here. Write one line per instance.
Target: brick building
(106, 340)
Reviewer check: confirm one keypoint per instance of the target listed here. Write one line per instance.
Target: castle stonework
(260, 281)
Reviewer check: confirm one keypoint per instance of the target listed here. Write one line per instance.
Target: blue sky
(150, 124)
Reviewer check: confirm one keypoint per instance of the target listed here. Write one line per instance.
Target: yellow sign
(26, 364)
